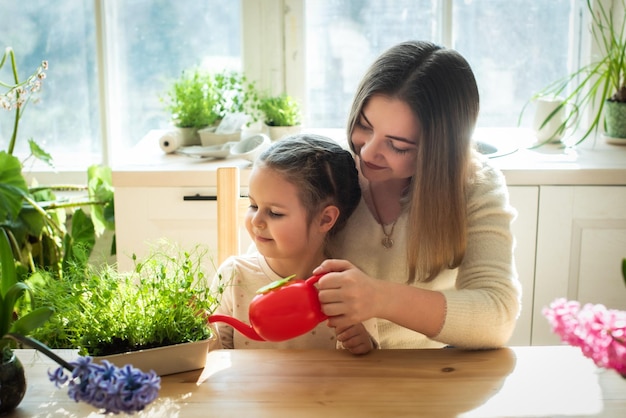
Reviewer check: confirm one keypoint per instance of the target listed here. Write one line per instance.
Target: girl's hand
(347, 295)
(355, 339)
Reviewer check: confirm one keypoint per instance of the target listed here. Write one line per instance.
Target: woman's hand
(347, 295)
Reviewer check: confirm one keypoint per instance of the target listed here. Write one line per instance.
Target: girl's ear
(328, 217)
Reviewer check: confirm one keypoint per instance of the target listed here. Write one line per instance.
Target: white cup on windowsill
(552, 130)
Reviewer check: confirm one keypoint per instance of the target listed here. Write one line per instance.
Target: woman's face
(276, 220)
(385, 138)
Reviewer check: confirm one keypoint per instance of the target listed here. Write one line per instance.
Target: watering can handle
(314, 279)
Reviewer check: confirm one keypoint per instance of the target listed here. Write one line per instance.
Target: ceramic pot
(188, 136)
(615, 117)
(278, 132)
(12, 384)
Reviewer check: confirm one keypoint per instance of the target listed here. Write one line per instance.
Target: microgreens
(163, 301)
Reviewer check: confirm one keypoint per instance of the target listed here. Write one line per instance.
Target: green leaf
(82, 229)
(39, 153)
(101, 188)
(32, 320)
(624, 269)
(275, 285)
(29, 222)
(12, 186)
(79, 244)
(8, 278)
(8, 305)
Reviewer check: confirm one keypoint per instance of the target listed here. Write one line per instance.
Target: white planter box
(164, 360)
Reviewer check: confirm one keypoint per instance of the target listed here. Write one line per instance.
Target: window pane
(66, 121)
(343, 37)
(154, 42)
(515, 48)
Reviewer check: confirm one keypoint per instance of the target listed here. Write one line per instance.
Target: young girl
(302, 191)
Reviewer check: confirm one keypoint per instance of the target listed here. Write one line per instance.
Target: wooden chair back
(231, 209)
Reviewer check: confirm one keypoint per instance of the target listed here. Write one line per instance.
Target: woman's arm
(349, 296)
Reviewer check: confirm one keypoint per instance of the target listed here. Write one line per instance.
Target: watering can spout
(281, 310)
(243, 328)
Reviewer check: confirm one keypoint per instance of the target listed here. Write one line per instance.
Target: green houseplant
(281, 115)
(600, 85)
(34, 217)
(199, 99)
(12, 291)
(191, 100)
(281, 110)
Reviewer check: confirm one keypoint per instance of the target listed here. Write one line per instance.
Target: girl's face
(276, 220)
(385, 138)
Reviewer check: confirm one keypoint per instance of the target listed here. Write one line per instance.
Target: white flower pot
(188, 136)
(164, 360)
(278, 132)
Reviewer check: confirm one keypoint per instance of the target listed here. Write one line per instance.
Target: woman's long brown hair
(439, 87)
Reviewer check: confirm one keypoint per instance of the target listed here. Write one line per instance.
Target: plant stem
(17, 109)
(44, 214)
(39, 346)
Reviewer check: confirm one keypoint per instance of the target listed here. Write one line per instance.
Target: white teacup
(251, 147)
(554, 129)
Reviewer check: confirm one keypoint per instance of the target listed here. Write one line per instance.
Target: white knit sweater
(482, 295)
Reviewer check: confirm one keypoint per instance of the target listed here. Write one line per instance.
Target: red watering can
(280, 311)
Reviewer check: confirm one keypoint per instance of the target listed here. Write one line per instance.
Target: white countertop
(587, 164)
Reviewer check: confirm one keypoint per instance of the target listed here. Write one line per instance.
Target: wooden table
(513, 382)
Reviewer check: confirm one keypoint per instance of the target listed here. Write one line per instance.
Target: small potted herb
(191, 103)
(165, 301)
(198, 100)
(281, 115)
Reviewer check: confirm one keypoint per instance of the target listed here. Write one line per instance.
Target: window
(515, 47)
(67, 116)
(111, 61)
(145, 44)
(152, 42)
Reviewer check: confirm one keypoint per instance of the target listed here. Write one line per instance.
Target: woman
(430, 244)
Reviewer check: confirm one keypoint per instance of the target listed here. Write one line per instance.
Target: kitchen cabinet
(581, 241)
(182, 215)
(185, 216)
(525, 200)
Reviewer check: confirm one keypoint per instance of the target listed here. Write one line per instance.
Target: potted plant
(33, 217)
(190, 102)
(165, 301)
(281, 115)
(599, 86)
(198, 100)
(12, 291)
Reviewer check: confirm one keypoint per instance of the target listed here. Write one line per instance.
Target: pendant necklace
(387, 241)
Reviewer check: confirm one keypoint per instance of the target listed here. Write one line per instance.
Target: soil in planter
(119, 346)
